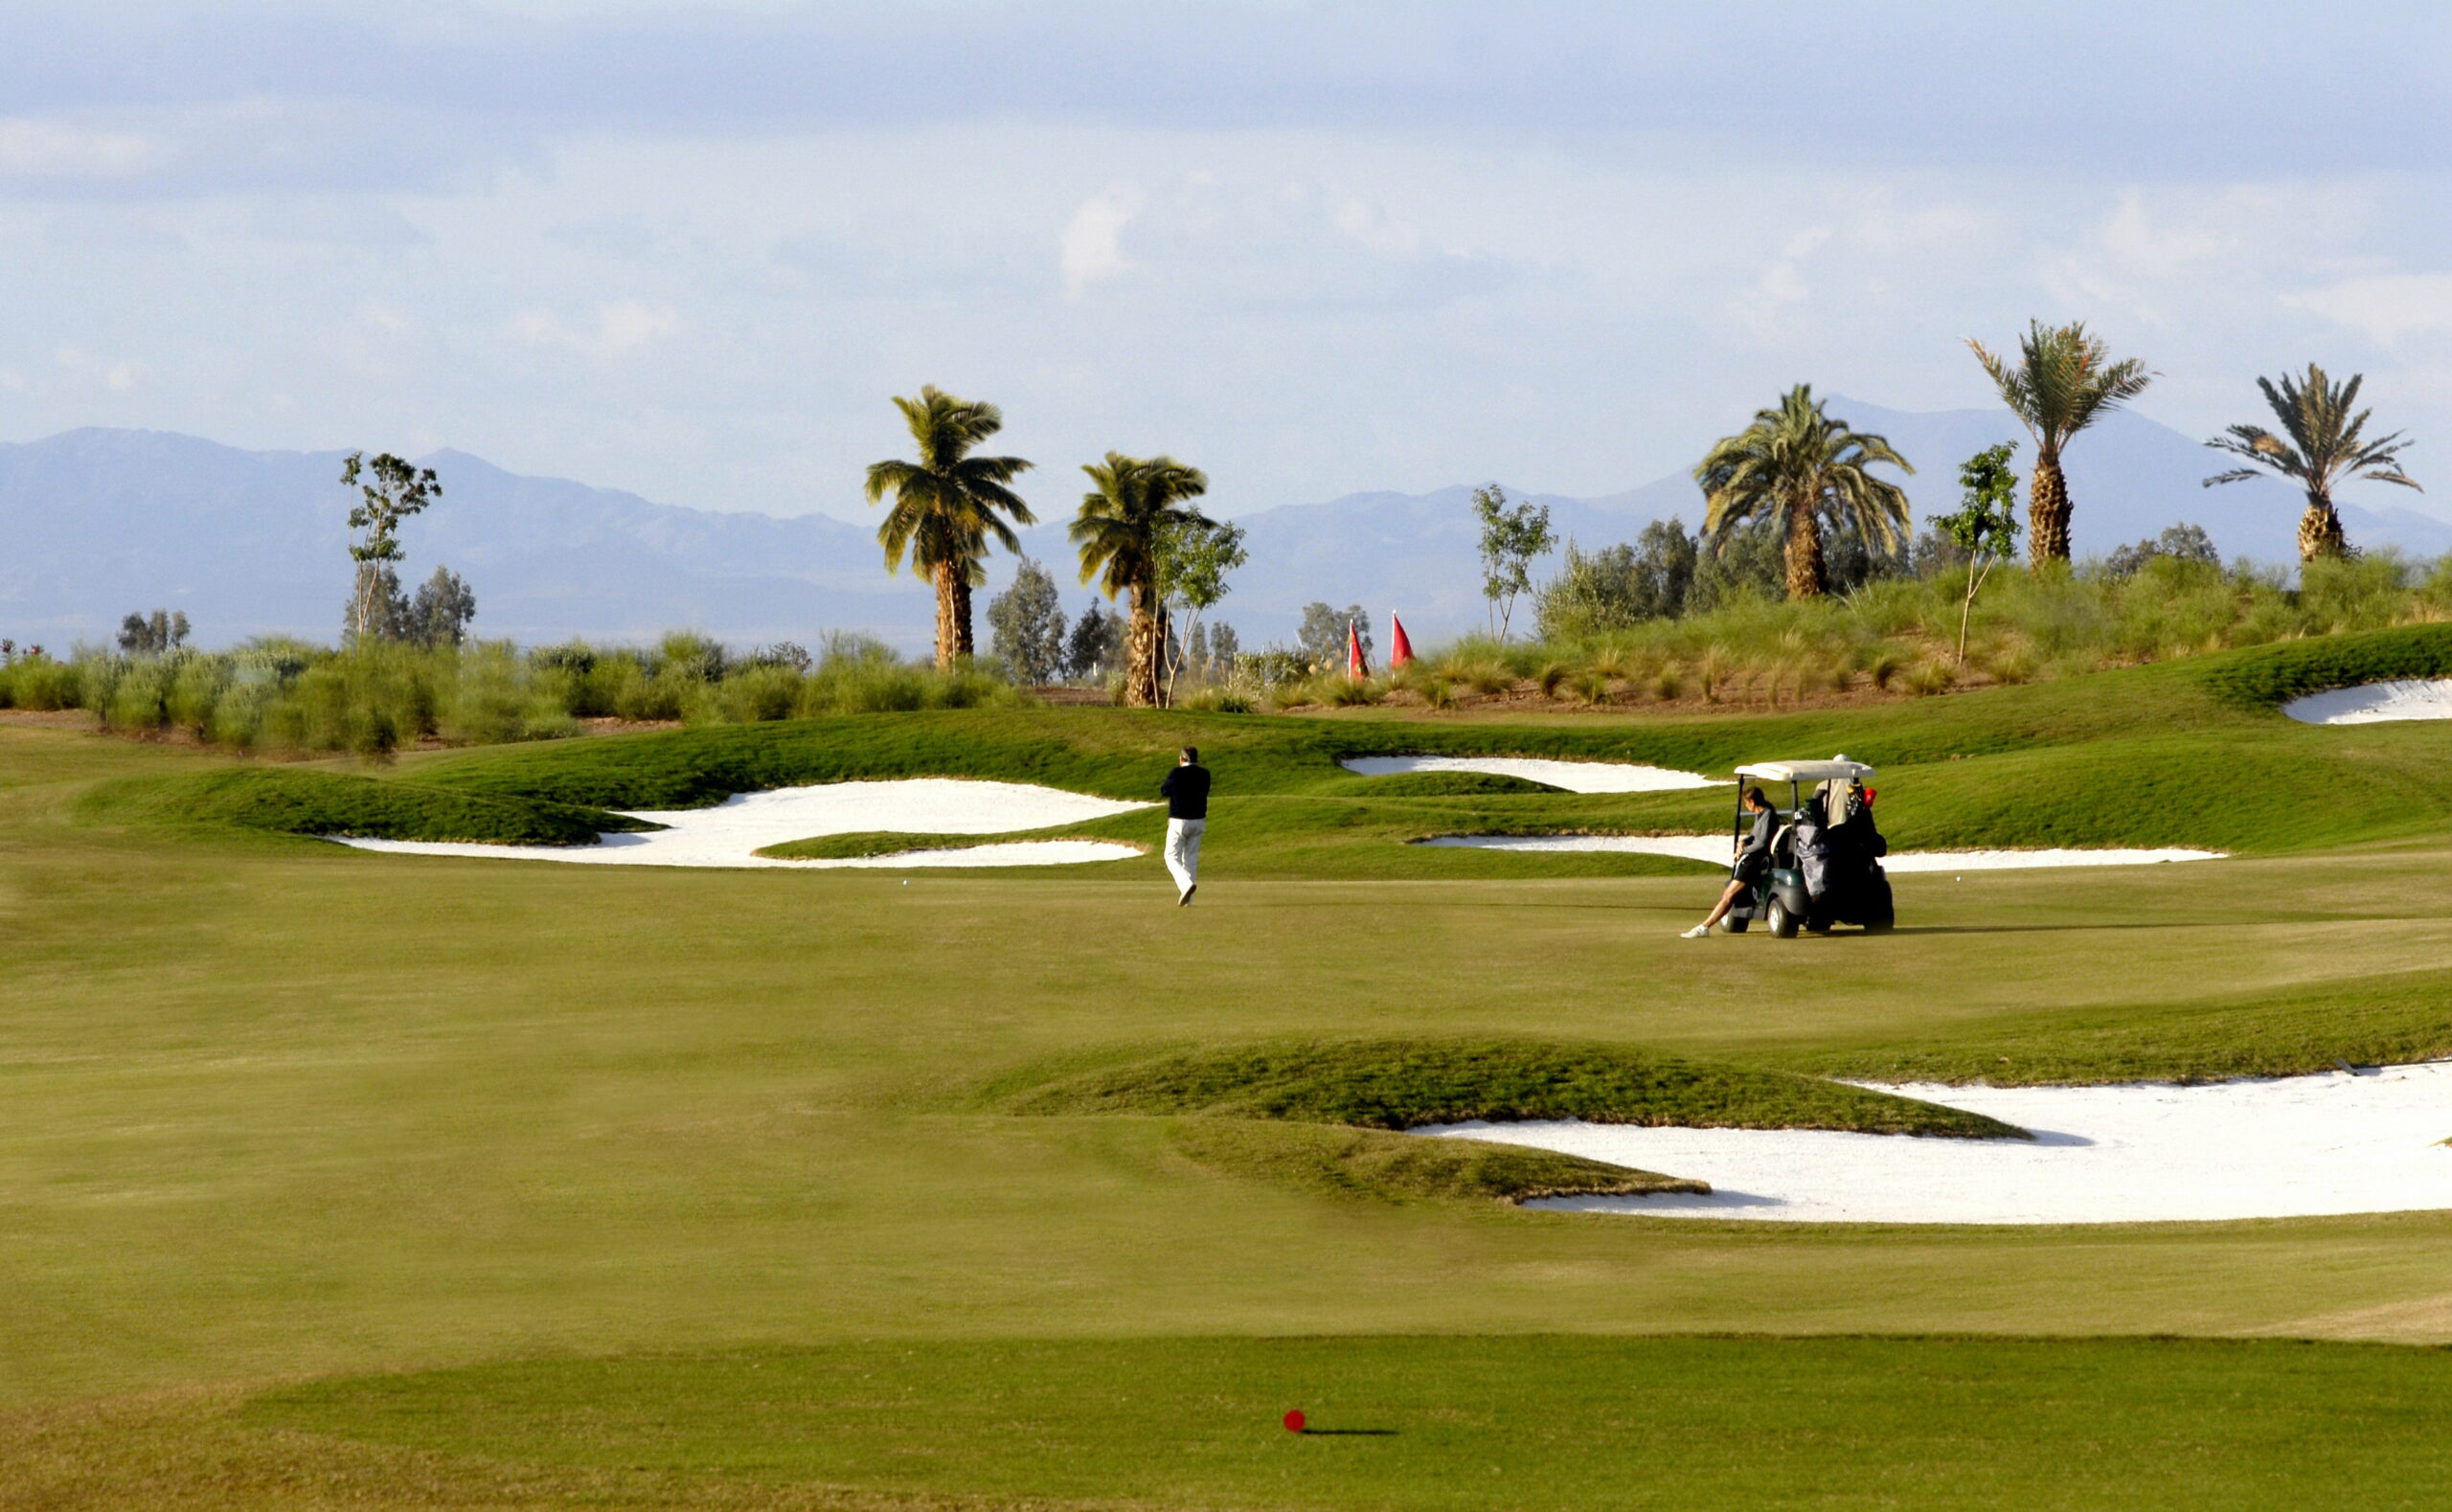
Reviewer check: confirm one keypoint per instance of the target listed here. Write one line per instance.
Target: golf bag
(1853, 888)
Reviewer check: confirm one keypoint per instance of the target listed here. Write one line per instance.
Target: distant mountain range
(96, 522)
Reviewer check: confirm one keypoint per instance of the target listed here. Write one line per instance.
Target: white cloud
(1089, 248)
(53, 150)
(2171, 256)
(91, 370)
(620, 328)
(2385, 307)
(1374, 228)
(1768, 306)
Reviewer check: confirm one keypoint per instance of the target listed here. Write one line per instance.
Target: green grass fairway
(1459, 1425)
(601, 1186)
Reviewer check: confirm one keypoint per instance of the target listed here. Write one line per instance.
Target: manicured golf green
(276, 1111)
(1531, 1423)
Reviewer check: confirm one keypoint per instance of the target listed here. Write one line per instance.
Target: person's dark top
(1766, 823)
(1186, 790)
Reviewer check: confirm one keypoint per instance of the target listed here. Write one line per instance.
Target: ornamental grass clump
(1490, 678)
(1929, 677)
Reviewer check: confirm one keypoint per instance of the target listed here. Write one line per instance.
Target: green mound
(1406, 1084)
(2398, 1019)
(873, 843)
(2268, 676)
(307, 802)
(1373, 1163)
(1443, 784)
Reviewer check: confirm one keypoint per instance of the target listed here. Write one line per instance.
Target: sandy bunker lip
(2291, 1147)
(1575, 777)
(1714, 849)
(731, 832)
(2376, 702)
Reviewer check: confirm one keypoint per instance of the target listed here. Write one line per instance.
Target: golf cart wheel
(1733, 924)
(1783, 924)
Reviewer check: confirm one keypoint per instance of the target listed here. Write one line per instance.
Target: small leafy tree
(1219, 651)
(1096, 645)
(1321, 641)
(156, 634)
(440, 613)
(1984, 525)
(1193, 559)
(1512, 538)
(2178, 543)
(390, 491)
(1026, 623)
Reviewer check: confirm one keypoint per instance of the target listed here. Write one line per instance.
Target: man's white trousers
(1183, 851)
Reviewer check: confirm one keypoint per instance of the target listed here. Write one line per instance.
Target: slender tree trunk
(2048, 510)
(964, 648)
(2319, 528)
(1140, 653)
(949, 615)
(1178, 652)
(1161, 675)
(1804, 553)
(1966, 610)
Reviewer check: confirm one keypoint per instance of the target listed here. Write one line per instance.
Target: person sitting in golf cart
(1752, 861)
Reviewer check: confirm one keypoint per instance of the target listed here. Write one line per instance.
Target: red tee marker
(1294, 1421)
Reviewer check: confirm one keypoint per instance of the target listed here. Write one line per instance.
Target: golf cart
(1825, 858)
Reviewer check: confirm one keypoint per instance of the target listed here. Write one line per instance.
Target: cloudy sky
(1314, 248)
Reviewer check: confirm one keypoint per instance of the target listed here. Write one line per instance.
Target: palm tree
(2064, 380)
(2324, 447)
(1133, 503)
(945, 506)
(1799, 466)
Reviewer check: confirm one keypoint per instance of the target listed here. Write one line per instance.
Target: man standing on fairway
(1187, 793)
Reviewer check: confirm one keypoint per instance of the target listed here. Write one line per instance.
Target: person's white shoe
(1698, 932)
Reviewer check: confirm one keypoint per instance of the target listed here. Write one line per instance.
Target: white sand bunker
(1576, 777)
(1715, 849)
(726, 834)
(2144, 1152)
(2376, 702)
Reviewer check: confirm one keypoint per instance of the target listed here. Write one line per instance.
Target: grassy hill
(336, 1179)
(2185, 754)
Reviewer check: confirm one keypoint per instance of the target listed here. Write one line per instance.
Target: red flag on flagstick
(1399, 649)
(1355, 666)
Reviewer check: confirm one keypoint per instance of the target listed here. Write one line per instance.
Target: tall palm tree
(1800, 468)
(1132, 502)
(945, 506)
(2324, 447)
(2063, 381)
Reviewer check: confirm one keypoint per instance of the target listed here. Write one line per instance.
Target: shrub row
(276, 694)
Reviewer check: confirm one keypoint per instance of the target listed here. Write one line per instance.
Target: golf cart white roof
(1838, 769)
